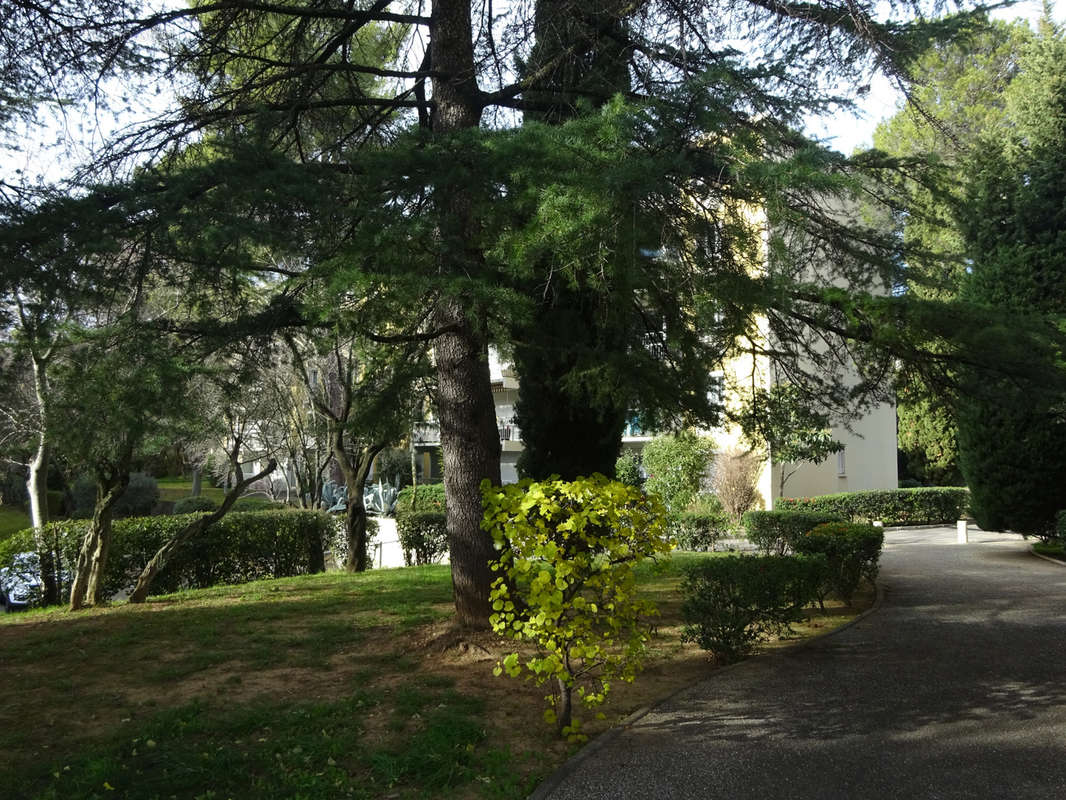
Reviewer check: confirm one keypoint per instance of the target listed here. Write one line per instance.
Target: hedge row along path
(951, 689)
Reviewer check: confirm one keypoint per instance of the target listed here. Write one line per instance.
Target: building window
(842, 469)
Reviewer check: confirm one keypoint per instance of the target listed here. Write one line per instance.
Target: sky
(847, 132)
(48, 153)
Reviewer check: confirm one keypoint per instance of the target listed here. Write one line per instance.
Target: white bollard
(962, 536)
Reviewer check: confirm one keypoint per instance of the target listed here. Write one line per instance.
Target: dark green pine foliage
(1012, 436)
(962, 83)
(569, 408)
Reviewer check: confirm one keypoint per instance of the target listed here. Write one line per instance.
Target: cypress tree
(1012, 436)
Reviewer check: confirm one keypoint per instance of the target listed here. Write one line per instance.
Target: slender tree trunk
(37, 488)
(356, 558)
(197, 480)
(566, 705)
(191, 531)
(414, 476)
(355, 473)
(467, 414)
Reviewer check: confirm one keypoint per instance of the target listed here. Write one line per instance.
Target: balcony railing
(427, 434)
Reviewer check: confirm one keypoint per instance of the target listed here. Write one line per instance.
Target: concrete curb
(926, 527)
(1054, 561)
(552, 782)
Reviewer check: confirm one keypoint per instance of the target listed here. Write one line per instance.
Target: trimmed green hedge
(430, 499)
(698, 530)
(423, 536)
(241, 547)
(777, 531)
(732, 602)
(891, 506)
(851, 552)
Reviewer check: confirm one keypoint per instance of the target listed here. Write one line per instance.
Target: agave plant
(380, 499)
(334, 496)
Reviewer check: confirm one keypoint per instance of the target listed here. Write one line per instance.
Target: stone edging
(923, 527)
(571, 764)
(1055, 561)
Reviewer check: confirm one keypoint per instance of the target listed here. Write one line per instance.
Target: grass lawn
(12, 520)
(172, 489)
(328, 685)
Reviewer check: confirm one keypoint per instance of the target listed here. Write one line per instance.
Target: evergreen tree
(960, 97)
(421, 214)
(1011, 436)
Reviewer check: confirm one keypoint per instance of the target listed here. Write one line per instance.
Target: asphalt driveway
(954, 688)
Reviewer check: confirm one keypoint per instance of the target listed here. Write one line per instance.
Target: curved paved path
(954, 688)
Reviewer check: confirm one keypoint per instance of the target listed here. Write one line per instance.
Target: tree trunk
(197, 478)
(356, 559)
(565, 716)
(471, 446)
(191, 531)
(414, 476)
(37, 488)
(87, 588)
(467, 414)
(575, 328)
(355, 474)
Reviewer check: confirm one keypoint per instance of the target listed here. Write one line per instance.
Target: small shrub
(627, 469)
(736, 477)
(55, 503)
(1060, 526)
(567, 552)
(191, 505)
(677, 465)
(394, 467)
(430, 498)
(423, 536)
(13, 485)
(852, 552)
(732, 602)
(702, 525)
(930, 505)
(777, 531)
(139, 499)
(337, 539)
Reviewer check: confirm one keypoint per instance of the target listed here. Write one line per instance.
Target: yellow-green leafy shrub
(566, 582)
